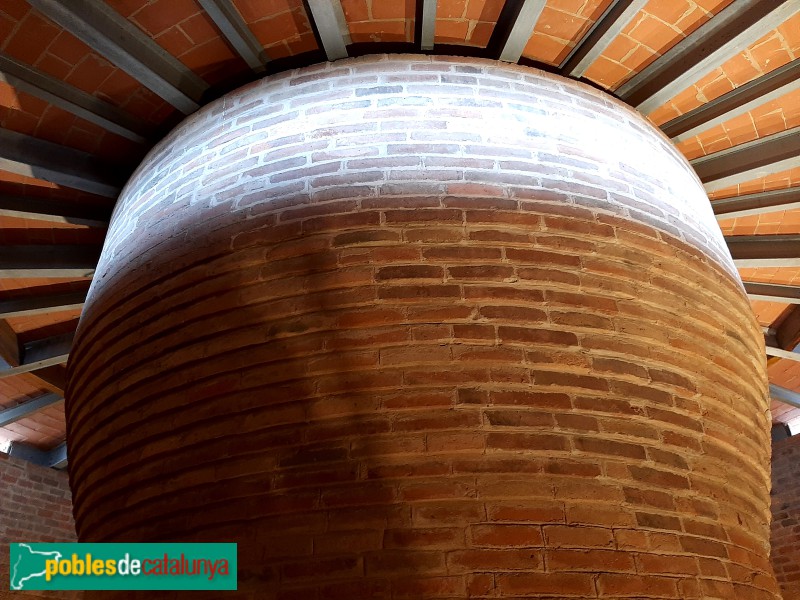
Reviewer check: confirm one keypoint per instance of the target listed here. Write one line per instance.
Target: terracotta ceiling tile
(484, 10)
(9, 97)
(670, 11)
(68, 48)
(15, 9)
(558, 24)
(639, 58)
(606, 71)
(451, 31)
(304, 43)
(545, 48)
(380, 31)
(54, 66)
(691, 148)
(175, 41)
(355, 10)
(770, 52)
(199, 28)
(209, 55)
(481, 33)
(621, 47)
(450, 9)
(561, 25)
(767, 312)
(740, 128)
(663, 114)
(397, 9)
(275, 30)
(30, 39)
(713, 6)
(790, 32)
(91, 72)
(7, 25)
(654, 33)
(159, 15)
(740, 69)
(715, 85)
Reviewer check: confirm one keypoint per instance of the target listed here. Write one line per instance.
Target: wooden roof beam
(66, 97)
(607, 27)
(772, 292)
(48, 261)
(722, 37)
(764, 250)
(235, 30)
(40, 304)
(748, 161)
(41, 353)
(32, 157)
(329, 25)
(115, 38)
(757, 203)
(735, 103)
(42, 209)
(513, 29)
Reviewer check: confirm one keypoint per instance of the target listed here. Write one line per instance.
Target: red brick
(421, 365)
(558, 585)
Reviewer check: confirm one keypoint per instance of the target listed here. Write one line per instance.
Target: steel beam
(787, 329)
(41, 353)
(780, 431)
(703, 50)
(32, 157)
(756, 204)
(55, 458)
(618, 14)
(40, 304)
(27, 408)
(236, 31)
(764, 250)
(735, 103)
(115, 38)
(66, 97)
(757, 158)
(53, 378)
(724, 36)
(10, 350)
(48, 261)
(425, 24)
(780, 353)
(41, 209)
(772, 292)
(514, 28)
(783, 395)
(327, 20)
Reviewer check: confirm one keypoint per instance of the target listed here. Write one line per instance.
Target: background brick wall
(35, 506)
(419, 327)
(786, 515)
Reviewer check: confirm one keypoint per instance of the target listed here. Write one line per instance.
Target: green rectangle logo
(36, 566)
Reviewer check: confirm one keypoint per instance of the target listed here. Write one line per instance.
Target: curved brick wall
(426, 328)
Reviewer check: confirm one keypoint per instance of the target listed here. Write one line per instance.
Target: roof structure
(87, 87)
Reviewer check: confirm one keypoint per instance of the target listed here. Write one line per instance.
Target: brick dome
(431, 328)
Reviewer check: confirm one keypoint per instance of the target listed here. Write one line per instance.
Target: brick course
(426, 327)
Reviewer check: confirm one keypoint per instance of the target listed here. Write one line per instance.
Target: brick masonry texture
(414, 327)
(35, 506)
(785, 511)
